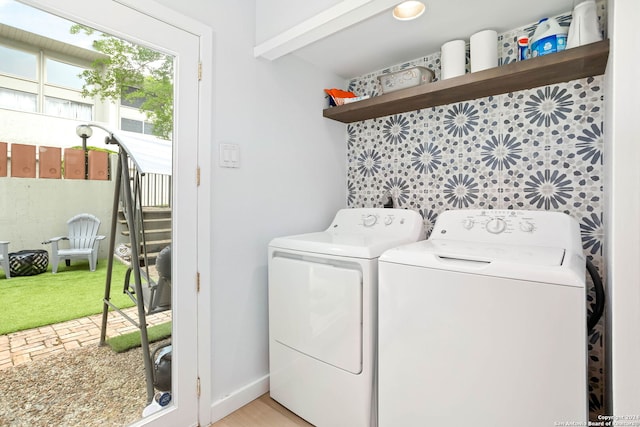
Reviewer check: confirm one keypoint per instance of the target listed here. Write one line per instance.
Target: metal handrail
(155, 190)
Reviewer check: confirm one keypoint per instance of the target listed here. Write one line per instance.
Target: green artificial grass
(28, 302)
(131, 340)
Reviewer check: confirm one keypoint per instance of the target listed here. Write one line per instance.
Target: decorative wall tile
(538, 149)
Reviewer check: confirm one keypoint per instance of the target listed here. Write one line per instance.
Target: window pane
(17, 100)
(65, 108)
(148, 128)
(61, 74)
(131, 125)
(17, 63)
(135, 103)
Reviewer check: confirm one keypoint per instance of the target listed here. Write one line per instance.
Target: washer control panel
(517, 226)
(491, 221)
(497, 221)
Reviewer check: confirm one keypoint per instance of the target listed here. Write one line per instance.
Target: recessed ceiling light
(408, 10)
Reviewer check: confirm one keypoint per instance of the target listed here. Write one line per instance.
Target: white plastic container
(406, 78)
(549, 37)
(584, 27)
(484, 50)
(452, 59)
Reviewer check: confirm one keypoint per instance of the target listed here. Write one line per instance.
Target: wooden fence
(50, 164)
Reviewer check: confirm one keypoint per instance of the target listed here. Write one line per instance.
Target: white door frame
(132, 20)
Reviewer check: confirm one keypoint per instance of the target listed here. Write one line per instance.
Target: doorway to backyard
(128, 24)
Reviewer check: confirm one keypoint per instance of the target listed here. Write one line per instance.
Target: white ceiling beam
(330, 21)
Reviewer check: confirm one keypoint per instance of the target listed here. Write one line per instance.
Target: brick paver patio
(33, 344)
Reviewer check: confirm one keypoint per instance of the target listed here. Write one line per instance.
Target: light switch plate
(229, 155)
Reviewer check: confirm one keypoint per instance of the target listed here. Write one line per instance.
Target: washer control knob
(527, 226)
(369, 220)
(496, 226)
(468, 224)
(388, 220)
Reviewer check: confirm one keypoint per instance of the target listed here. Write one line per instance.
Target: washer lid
(355, 245)
(491, 252)
(549, 265)
(433, 253)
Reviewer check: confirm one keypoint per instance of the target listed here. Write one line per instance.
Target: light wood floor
(262, 412)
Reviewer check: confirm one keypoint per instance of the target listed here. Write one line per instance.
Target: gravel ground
(91, 386)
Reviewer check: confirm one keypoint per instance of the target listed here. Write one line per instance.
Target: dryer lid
(359, 233)
(353, 245)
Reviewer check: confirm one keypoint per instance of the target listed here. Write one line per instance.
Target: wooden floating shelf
(570, 64)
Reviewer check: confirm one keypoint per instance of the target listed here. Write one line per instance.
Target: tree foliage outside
(134, 73)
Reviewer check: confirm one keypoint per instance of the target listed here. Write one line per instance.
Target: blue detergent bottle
(549, 37)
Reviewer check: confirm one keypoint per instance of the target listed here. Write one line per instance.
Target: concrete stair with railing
(157, 230)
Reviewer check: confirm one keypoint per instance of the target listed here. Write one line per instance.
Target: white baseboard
(239, 398)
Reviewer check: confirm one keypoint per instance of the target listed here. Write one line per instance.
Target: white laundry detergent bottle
(584, 28)
(549, 37)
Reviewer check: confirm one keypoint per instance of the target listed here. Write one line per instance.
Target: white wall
(35, 210)
(291, 179)
(17, 127)
(623, 216)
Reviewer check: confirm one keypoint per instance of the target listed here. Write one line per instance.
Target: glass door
(140, 29)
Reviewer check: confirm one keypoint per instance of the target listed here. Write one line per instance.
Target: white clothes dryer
(484, 323)
(322, 314)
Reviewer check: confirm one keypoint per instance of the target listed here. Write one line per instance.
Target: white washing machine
(484, 323)
(322, 314)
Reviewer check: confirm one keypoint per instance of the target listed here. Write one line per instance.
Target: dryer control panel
(542, 228)
(377, 221)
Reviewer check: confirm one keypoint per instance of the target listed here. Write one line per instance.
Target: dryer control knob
(468, 224)
(388, 220)
(526, 226)
(496, 226)
(369, 220)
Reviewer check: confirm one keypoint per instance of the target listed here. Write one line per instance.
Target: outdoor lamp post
(85, 132)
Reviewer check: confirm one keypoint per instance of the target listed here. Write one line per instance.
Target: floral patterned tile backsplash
(539, 149)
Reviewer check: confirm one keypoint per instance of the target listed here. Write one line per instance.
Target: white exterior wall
(35, 210)
(18, 127)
